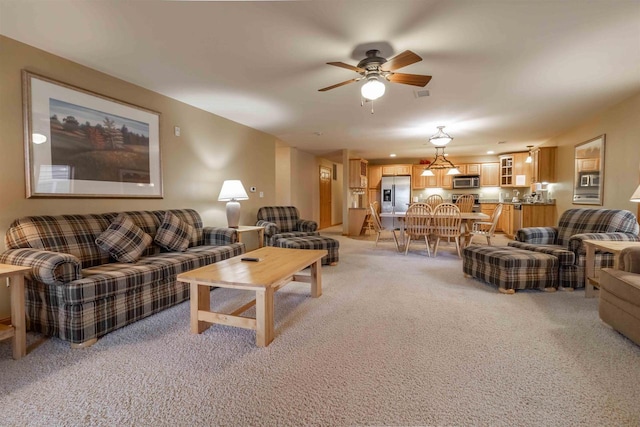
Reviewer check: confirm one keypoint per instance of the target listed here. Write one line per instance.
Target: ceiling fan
(374, 67)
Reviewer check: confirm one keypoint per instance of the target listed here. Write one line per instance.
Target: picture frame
(82, 144)
(588, 188)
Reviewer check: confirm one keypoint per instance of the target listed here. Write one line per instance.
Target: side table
(255, 228)
(612, 246)
(18, 328)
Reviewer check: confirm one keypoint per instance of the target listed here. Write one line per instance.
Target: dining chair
(434, 200)
(418, 225)
(446, 222)
(487, 228)
(465, 203)
(368, 220)
(378, 228)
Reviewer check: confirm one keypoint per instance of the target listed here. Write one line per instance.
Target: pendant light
(529, 158)
(440, 139)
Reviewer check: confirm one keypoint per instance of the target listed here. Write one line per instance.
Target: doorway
(325, 197)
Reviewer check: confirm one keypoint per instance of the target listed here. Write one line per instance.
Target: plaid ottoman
(313, 242)
(510, 268)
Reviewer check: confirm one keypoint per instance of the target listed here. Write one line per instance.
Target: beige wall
(621, 124)
(210, 150)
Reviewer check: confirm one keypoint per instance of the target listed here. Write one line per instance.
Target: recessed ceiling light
(501, 142)
(392, 155)
(490, 152)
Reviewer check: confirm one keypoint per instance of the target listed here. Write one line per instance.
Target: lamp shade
(440, 139)
(373, 89)
(427, 172)
(232, 190)
(635, 197)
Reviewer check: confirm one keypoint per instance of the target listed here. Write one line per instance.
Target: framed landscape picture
(81, 144)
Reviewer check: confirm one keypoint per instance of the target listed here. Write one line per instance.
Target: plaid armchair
(283, 222)
(566, 240)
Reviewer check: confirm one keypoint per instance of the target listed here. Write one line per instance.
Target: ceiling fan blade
(409, 79)
(347, 66)
(401, 60)
(324, 89)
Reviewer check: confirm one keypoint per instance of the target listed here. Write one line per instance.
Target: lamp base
(233, 213)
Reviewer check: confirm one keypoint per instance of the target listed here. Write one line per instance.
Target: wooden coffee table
(276, 268)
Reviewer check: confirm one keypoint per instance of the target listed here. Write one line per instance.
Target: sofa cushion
(111, 279)
(124, 240)
(188, 216)
(70, 234)
(173, 234)
(579, 221)
(564, 256)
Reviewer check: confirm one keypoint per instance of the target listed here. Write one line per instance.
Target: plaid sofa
(77, 293)
(282, 222)
(565, 240)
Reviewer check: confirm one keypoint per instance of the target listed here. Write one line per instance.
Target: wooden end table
(276, 268)
(614, 247)
(249, 228)
(18, 328)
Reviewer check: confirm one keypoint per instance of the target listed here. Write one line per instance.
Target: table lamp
(232, 191)
(635, 197)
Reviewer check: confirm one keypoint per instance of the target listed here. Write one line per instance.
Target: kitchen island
(516, 215)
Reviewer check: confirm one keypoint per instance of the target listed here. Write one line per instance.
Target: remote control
(250, 259)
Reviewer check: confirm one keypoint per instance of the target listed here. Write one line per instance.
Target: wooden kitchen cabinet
(521, 168)
(396, 170)
(538, 215)
(471, 169)
(356, 220)
(490, 174)
(375, 176)
(373, 196)
(506, 220)
(506, 171)
(446, 180)
(417, 180)
(513, 166)
(357, 173)
(543, 167)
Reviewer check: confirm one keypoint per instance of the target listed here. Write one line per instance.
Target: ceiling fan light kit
(374, 68)
(372, 89)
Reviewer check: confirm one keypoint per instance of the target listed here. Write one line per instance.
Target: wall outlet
(262, 194)
(176, 130)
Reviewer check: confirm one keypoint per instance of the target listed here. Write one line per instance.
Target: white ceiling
(520, 71)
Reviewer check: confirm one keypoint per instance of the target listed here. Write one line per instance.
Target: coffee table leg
(17, 316)
(200, 300)
(589, 271)
(264, 317)
(316, 279)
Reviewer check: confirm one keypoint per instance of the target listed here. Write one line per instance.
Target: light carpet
(394, 340)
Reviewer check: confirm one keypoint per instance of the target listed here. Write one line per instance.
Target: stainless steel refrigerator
(396, 196)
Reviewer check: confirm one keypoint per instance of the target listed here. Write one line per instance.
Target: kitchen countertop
(509, 202)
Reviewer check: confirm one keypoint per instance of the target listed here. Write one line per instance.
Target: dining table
(468, 218)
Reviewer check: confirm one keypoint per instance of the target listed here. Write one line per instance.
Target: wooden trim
(5, 321)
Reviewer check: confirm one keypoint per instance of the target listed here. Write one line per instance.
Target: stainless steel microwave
(466, 181)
